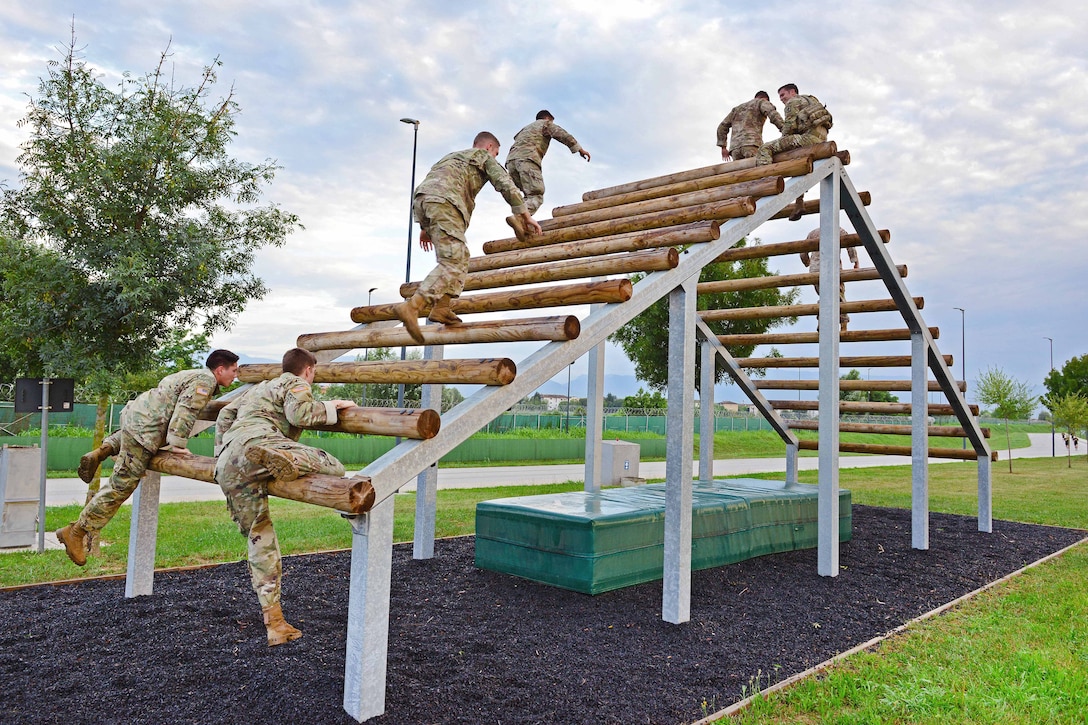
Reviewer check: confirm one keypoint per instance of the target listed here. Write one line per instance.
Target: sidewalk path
(62, 491)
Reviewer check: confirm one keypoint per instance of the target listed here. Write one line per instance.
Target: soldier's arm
(790, 124)
(853, 254)
(225, 420)
(772, 114)
(562, 136)
(302, 411)
(723, 130)
(192, 399)
(503, 184)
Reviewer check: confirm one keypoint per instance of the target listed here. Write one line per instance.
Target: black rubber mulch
(471, 646)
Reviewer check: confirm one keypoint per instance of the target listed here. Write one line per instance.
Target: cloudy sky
(963, 121)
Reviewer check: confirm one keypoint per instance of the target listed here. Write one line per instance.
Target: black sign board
(28, 395)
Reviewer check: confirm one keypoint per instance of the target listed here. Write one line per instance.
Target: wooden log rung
(415, 423)
(884, 385)
(478, 371)
(808, 310)
(539, 329)
(967, 454)
(850, 406)
(947, 431)
(352, 495)
(789, 280)
(758, 251)
(812, 206)
(787, 338)
(849, 361)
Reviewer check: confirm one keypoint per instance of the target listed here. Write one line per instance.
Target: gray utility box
(20, 486)
(619, 460)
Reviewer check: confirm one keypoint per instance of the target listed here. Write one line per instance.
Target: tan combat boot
(798, 209)
(442, 314)
(408, 313)
(521, 229)
(279, 631)
(74, 536)
(281, 464)
(89, 462)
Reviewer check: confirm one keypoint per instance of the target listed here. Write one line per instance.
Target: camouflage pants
(743, 152)
(814, 267)
(446, 228)
(529, 178)
(245, 485)
(791, 141)
(128, 468)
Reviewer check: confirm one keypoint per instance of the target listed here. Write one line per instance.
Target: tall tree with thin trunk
(132, 223)
(1011, 398)
(1070, 413)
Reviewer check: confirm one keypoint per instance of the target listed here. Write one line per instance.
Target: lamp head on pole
(412, 121)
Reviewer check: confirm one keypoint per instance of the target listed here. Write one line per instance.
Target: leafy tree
(1010, 397)
(612, 401)
(1071, 415)
(179, 351)
(451, 397)
(643, 400)
(645, 339)
(875, 396)
(132, 224)
(1072, 379)
(371, 393)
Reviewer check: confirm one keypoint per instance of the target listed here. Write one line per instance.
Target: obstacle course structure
(667, 228)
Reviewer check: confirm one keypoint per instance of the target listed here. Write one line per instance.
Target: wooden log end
(361, 496)
(572, 327)
(626, 288)
(673, 256)
(506, 370)
(844, 157)
(308, 341)
(429, 423)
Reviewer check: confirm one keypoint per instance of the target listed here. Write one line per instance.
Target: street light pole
(369, 294)
(408, 262)
(963, 353)
(1053, 447)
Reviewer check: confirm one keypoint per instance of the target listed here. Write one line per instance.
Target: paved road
(61, 491)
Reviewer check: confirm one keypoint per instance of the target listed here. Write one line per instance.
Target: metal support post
(985, 502)
(427, 480)
(708, 363)
(365, 662)
(142, 533)
(919, 442)
(594, 415)
(680, 423)
(791, 464)
(828, 476)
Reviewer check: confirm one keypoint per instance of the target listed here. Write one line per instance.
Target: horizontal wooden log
(729, 209)
(947, 431)
(810, 310)
(819, 151)
(851, 406)
(416, 423)
(777, 249)
(757, 188)
(350, 495)
(480, 371)
(886, 385)
(854, 361)
(647, 260)
(788, 280)
(539, 329)
(794, 167)
(844, 157)
(787, 338)
(812, 206)
(683, 235)
(586, 293)
(965, 454)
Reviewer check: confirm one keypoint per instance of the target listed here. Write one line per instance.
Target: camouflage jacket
(458, 177)
(746, 122)
(798, 110)
(282, 407)
(165, 414)
(531, 142)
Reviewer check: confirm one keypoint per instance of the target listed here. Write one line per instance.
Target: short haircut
(219, 358)
(544, 114)
(763, 94)
(789, 87)
(485, 136)
(296, 360)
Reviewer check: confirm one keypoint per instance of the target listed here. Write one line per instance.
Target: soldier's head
(487, 141)
(300, 362)
(544, 114)
(763, 94)
(787, 92)
(224, 366)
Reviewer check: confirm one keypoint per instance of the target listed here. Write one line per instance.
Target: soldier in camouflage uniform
(746, 122)
(527, 154)
(256, 441)
(807, 123)
(812, 261)
(443, 205)
(159, 419)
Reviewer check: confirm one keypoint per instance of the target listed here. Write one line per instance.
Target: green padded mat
(597, 542)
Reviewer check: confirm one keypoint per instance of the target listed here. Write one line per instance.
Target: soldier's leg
(743, 152)
(243, 484)
(451, 251)
(785, 143)
(530, 179)
(309, 459)
(128, 469)
(89, 462)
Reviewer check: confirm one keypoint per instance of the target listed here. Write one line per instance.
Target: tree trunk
(1008, 442)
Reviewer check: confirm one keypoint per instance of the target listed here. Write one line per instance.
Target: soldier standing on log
(746, 122)
(159, 419)
(807, 123)
(256, 440)
(812, 261)
(527, 154)
(443, 205)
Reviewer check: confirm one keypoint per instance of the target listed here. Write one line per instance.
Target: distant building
(553, 401)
